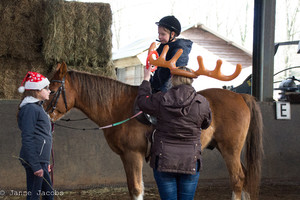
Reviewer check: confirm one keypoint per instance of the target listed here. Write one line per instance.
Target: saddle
(144, 118)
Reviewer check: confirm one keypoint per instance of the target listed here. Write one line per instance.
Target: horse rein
(54, 101)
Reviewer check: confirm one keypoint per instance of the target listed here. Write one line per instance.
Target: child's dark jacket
(160, 80)
(36, 135)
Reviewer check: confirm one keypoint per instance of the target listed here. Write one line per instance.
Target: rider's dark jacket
(160, 80)
(181, 114)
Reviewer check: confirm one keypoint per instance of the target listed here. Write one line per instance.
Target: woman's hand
(147, 73)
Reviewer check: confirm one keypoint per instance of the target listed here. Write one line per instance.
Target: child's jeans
(38, 186)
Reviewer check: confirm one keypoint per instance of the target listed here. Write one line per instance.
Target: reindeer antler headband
(171, 64)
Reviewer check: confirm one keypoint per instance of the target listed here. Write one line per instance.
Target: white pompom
(21, 89)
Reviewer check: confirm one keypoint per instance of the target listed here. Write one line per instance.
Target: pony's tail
(254, 148)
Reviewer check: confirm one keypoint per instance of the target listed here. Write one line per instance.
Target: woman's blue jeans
(175, 186)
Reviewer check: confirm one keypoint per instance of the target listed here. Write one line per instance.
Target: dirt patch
(267, 192)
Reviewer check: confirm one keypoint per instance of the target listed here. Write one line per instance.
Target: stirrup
(151, 119)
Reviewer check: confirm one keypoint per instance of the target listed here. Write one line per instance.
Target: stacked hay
(20, 33)
(36, 34)
(79, 34)
(20, 43)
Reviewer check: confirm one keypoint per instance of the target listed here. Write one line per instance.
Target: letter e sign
(283, 110)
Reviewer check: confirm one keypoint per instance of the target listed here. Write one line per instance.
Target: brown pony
(236, 121)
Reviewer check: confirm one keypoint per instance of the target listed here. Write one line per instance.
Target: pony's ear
(62, 69)
(58, 66)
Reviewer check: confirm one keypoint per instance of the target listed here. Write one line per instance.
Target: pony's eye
(52, 92)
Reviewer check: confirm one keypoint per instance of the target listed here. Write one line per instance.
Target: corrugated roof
(219, 45)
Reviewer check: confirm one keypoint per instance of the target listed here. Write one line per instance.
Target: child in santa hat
(35, 125)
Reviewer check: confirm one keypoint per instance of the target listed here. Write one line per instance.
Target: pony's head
(62, 95)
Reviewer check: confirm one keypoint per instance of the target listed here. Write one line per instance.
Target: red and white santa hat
(33, 81)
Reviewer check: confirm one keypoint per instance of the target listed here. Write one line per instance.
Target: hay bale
(79, 34)
(36, 34)
(13, 72)
(20, 32)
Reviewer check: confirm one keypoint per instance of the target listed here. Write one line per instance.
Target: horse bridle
(54, 100)
(60, 90)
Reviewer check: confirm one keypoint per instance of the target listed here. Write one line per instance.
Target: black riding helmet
(171, 23)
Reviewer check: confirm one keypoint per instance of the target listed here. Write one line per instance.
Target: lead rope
(121, 122)
(52, 156)
(103, 127)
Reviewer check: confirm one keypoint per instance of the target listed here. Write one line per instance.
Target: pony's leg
(231, 154)
(236, 175)
(245, 195)
(133, 164)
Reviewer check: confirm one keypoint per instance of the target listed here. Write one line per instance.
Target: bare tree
(292, 12)
(117, 26)
(244, 26)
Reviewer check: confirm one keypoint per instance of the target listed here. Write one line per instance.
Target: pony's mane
(96, 89)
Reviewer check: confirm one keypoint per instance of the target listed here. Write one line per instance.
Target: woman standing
(176, 149)
(36, 136)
